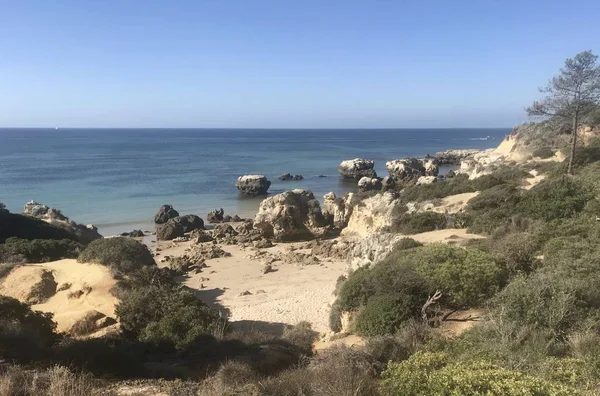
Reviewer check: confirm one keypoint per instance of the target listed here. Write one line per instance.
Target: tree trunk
(573, 142)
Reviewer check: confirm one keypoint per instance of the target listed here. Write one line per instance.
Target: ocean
(116, 179)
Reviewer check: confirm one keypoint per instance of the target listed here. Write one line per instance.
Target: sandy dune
(450, 235)
(66, 311)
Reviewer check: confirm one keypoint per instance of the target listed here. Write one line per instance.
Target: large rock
(357, 168)
(336, 210)
(189, 222)
(170, 230)
(164, 214)
(431, 166)
(454, 157)
(84, 233)
(402, 170)
(253, 185)
(372, 215)
(292, 215)
(426, 180)
(388, 183)
(215, 216)
(369, 184)
(289, 176)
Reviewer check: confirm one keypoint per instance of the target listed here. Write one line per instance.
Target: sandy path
(449, 235)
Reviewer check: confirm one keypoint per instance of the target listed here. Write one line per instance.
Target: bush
(122, 255)
(587, 154)
(25, 335)
(406, 243)
(410, 337)
(165, 315)
(302, 335)
(517, 251)
(466, 276)
(54, 381)
(415, 223)
(428, 373)
(24, 227)
(39, 250)
(384, 314)
(544, 152)
(555, 199)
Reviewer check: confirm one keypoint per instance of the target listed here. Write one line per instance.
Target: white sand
(66, 311)
(292, 293)
(450, 235)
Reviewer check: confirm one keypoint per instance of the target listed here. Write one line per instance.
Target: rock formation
(388, 183)
(292, 215)
(431, 166)
(253, 185)
(453, 157)
(357, 168)
(402, 170)
(215, 216)
(289, 176)
(337, 211)
(170, 230)
(369, 184)
(190, 222)
(372, 215)
(84, 233)
(426, 180)
(164, 214)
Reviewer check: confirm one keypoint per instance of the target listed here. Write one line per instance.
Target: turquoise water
(117, 178)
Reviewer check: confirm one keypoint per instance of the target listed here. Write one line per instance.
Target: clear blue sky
(283, 63)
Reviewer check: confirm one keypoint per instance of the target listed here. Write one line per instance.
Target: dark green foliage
(122, 255)
(555, 199)
(544, 152)
(24, 227)
(335, 317)
(164, 314)
(25, 335)
(467, 277)
(517, 251)
(302, 335)
(384, 314)
(407, 243)
(39, 250)
(587, 154)
(416, 223)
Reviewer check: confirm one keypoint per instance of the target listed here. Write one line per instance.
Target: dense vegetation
(123, 255)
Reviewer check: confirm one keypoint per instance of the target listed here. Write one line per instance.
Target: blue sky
(280, 63)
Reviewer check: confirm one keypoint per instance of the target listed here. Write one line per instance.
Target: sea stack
(253, 185)
(357, 168)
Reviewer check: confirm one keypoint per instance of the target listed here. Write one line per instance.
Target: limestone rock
(357, 168)
(373, 215)
(84, 233)
(405, 169)
(454, 157)
(289, 176)
(200, 236)
(337, 211)
(253, 185)
(164, 214)
(369, 184)
(431, 166)
(215, 216)
(388, 183)
(292, 215)
(189, 222)
(426, 180)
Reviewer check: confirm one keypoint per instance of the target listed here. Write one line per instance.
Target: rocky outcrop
(215, 216)
(189, 222)
(388, 183)
(454, 157)
(372, 215)
(431, 166)
(170, 230)
(357, 168)
(84, 233)
(426, 180)
(369, 184)
(133, 234)
(164, 214)
(336, 210)
(253, 185)
(289, 176)
(292, 215)
(403, 170)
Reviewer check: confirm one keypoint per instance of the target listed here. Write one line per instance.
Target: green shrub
(517, 251)
(544, 152)
(412, 335)
(466, 276)
(39, 250)
(587, 154)
(25, 335)
(165, 315)
(302, 335)
(335, 317)
(427, 373)
(384, 314)
(406, 243)
(24, 227)
(122, 255)
(416, 223)
(555, 199)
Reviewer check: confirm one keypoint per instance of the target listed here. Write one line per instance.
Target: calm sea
(117, 178)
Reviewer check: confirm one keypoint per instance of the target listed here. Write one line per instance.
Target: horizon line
(259, 128)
